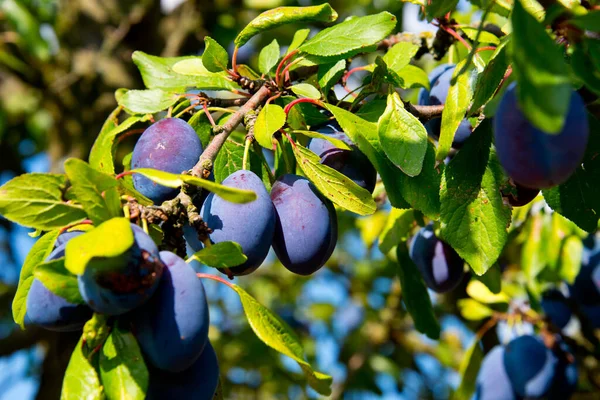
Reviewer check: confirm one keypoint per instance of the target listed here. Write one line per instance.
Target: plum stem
(234, 60)
(302, 100)
(215, 278)
(287, 57)
(247, 144)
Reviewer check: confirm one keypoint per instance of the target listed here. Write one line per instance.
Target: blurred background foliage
(60, 64)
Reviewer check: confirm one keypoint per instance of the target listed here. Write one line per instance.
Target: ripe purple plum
(352, 163)
(492, 381)
(532, 157)
(306, 230)
(172, 328)
(169, 145)
(556, 307)
(441, 267)
(53, 312)
(126, 284)
(251, 225)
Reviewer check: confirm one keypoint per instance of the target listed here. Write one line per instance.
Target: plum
(172, 328)
(169, 145)
(128, 283)
(440, 265)
(64, 237)
(530, 366)
(532, 157)
(306, 229)
(433, 77)
(492, 381)
(556, 307)
(586, 288)
(440, 85)
(198, 382)
(251, 225)
(352, 163)
(53, 312)
(520, 195)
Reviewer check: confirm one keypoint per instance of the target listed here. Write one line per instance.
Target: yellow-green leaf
(270, 119)
(220, 255)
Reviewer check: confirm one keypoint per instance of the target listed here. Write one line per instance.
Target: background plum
(530, 366)
(533, 157)
(439, 81)
(306, 230)
(168, 145)
(50, 311)
(354, 164)
(520, 195)
(251, 224)
(130, 282)
(441, 267)
(198, 382)
(556, 307)
(64, 237)
(172, 328)
(492, 381)
(586, 288)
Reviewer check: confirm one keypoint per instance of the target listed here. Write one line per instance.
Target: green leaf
(570, 258)
(583, 66)
(438, 8)
(578, 199)
(270, 119)
(285, 15)
(268, 57)
(122, 369)
(397, 229)
(27, 27)
(484, 36)
(147, 101)
(399, 55)
(469, 367)
(456, 106)
(306, 90)
(474, 219)
(276, 334)
(159, 73)
(492, 279)
(413, 77)
(215, 57)
(350, 35)
(589, 21)
(103, 151)
(95, 332)
(299, 37)
(199, 121)
(480, 292)
(37, 200)
(415, 295)
(364, 134)
(38, 253)
(230, 159)
(90, 188)
(334, 185)
(220, 255)
(340, 144)
(110, 239)
(55, 277)
(541, 72)
(472, 310)
(329, 74)
(228, 193)
(81, 381)
(403, 137)
(491, 77)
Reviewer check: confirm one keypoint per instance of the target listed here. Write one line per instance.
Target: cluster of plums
(295, 218)
(526, 369)
(532, 158)
(159, 296)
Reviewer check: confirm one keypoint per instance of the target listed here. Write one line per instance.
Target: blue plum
(556, 307)
(251, 224)
(530, 366)
(198, 382)
(592, 315)
(306, 230)
(440, 85)
(492, 381)
(532, 157)
(169, 145)
(441, 267)
(586, 288)
(191, 238)
(520, 195)
(352, 163)
(64, 237)
(128, 283)
(172, 328)
(50, 311)
(433, 77)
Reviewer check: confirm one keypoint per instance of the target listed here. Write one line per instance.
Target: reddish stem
(456, 36)
(234, 60)
(208, 115)
(270, 99)
(485, 48)
(353, 70)
(130, 133)
(287, 135)
(84, 222)
(214, 278)
(122, 174)
(241, 93)
(281, 64)
(302, 100)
